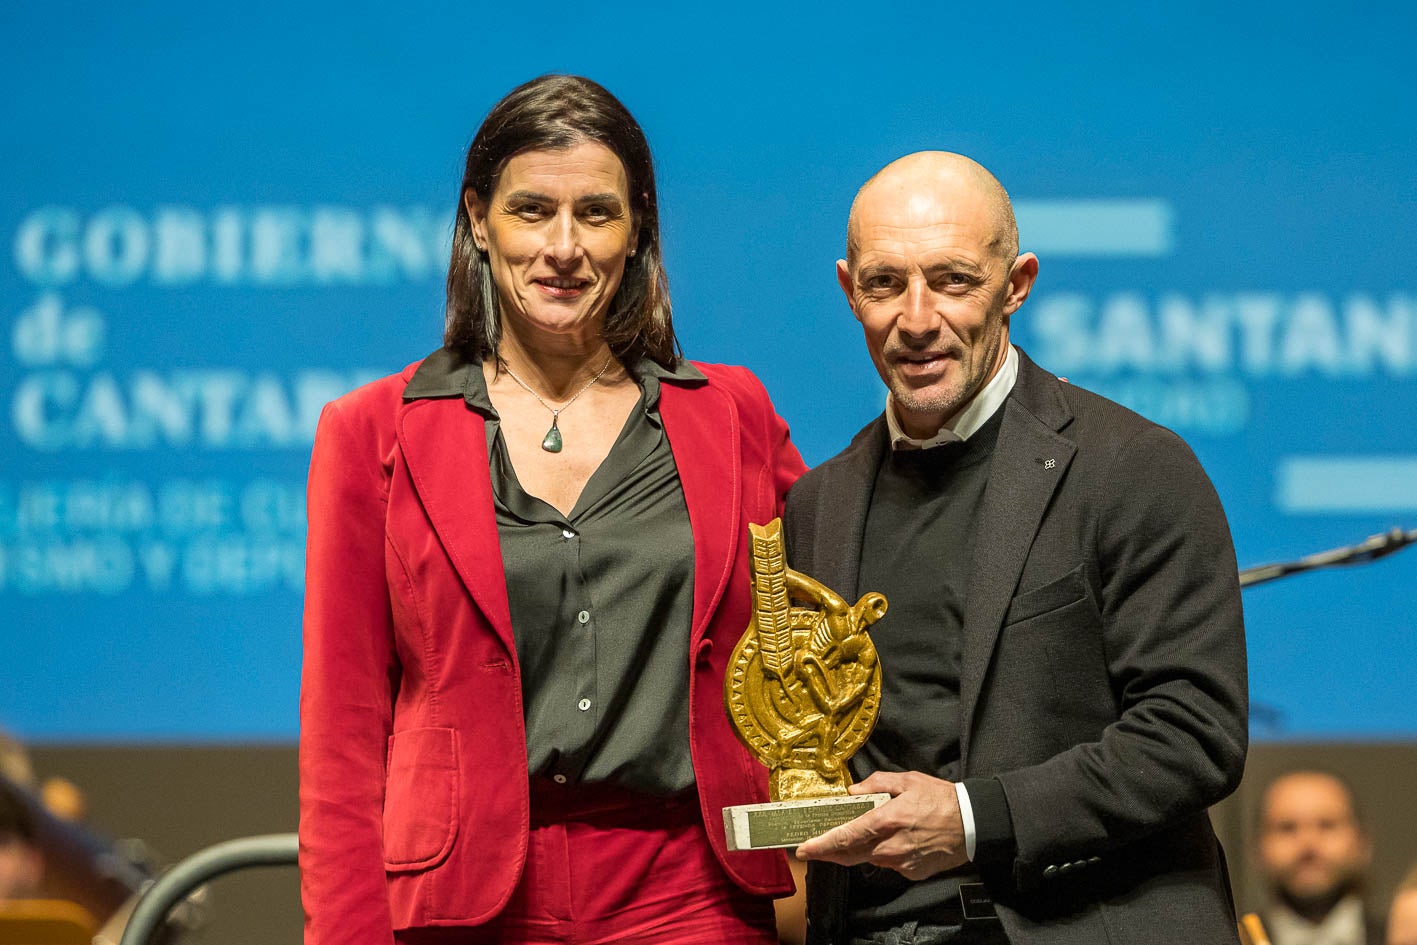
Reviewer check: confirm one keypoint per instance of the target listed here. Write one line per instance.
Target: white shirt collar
(1342, 926)
(968, 421)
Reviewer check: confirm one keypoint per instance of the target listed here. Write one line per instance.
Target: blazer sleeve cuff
(993, 825)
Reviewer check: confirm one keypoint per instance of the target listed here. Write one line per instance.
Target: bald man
(1064, 657)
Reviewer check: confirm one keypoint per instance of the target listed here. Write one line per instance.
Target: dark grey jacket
(1103, 678)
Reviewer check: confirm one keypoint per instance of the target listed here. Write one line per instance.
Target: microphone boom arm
(1370, 549)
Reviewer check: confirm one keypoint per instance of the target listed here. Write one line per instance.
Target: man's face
(1311, 848)
(933, 292)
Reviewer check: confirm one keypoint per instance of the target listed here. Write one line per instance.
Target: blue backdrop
(214, 221)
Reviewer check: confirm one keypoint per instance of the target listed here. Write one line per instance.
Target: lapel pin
(1049, 463)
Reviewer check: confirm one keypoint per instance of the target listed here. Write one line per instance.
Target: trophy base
(788, 823)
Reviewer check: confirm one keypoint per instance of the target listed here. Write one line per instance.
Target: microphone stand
(1371, 549)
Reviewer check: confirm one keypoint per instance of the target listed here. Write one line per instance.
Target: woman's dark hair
(554, 113)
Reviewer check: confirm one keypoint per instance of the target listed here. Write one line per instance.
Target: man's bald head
(933, 274)
(943, 176)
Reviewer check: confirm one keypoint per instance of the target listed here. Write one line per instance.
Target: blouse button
(583, 616)
(567, 534)
(583, 704)
(559, 778)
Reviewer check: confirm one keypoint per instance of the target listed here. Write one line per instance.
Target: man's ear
(1021, 279)
(848, 286)
(477, 216)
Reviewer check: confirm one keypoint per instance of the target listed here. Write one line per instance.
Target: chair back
(45, 922)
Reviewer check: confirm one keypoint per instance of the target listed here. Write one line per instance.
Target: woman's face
(557, 231)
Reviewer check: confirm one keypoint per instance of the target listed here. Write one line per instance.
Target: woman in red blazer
(528, 565)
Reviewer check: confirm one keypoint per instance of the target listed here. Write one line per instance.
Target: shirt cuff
(966, 815)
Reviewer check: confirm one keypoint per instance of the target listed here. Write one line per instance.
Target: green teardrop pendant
(552, 441)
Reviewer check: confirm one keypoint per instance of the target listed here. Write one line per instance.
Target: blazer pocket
(420, 798)
(1056, 594)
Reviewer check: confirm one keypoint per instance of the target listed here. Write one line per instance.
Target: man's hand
(917, 833)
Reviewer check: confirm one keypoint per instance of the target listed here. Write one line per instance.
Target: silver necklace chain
(556, 411)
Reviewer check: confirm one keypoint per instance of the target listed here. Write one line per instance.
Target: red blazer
(413, 769)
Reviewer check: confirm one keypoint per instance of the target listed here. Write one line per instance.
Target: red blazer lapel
(445, 444)
(702, 425)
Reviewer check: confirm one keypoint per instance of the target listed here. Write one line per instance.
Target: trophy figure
(803, 691)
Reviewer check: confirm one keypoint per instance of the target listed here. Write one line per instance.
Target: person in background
(1314, 854)
(1402, 917)
(21, 863)
(528, 566)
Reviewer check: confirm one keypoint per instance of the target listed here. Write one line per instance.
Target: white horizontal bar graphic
(1141, 227)
(1342, 484)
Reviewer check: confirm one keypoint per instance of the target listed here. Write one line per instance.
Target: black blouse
(601, 599)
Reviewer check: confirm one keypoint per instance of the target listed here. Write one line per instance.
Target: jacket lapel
(844, 499)
(702, 425)
(1029, 462)
(445, 444)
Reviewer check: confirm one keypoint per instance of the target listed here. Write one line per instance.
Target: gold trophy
(803, 691)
